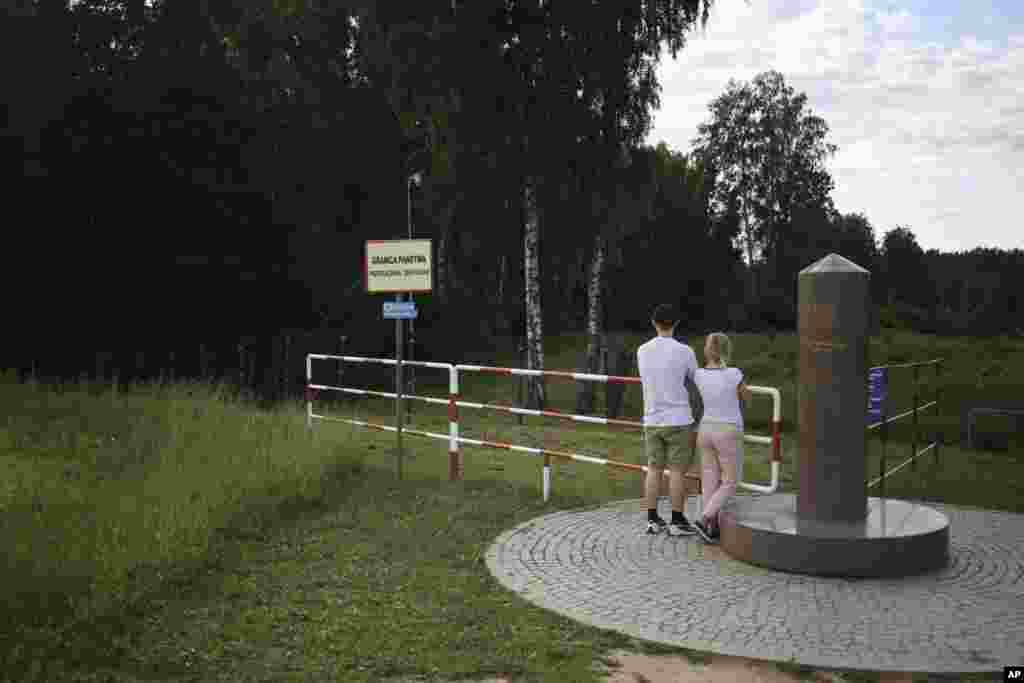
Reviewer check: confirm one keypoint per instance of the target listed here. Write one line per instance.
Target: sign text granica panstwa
(398, 266)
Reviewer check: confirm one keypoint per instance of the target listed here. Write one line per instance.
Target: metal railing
(883, 424)
(456, 469)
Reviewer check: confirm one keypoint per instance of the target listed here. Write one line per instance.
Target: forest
(194, 183)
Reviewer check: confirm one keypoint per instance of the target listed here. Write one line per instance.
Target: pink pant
(720, 455)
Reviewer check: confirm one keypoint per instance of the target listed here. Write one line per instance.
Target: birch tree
(769, 152)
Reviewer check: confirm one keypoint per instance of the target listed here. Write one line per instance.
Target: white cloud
(930, 130)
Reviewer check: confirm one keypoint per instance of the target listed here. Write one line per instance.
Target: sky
(924, 98)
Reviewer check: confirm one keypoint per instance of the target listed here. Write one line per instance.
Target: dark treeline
(194, 183)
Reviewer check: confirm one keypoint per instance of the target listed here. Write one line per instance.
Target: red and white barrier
(455, 461)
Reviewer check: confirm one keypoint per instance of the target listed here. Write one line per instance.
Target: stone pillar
(833, 324)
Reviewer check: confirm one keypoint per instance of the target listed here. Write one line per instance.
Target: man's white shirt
(664, 365)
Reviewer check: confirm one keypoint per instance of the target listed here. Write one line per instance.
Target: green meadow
(171, 532)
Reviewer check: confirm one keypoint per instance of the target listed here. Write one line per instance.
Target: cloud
(930, 125)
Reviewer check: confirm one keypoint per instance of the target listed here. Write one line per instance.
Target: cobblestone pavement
(598, 567)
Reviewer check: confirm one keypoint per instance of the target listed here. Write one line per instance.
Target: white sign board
(394, 266)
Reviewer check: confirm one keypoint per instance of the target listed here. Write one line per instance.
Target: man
(665, 366)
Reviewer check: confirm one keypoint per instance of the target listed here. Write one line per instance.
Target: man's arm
(696, 403)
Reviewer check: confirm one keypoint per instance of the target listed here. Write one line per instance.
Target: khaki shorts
(668, 446)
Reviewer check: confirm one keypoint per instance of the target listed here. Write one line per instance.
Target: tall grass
(104, 491)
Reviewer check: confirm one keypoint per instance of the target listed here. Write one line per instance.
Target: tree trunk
(445, 274)
(501, 318)
(442, 266)
(595, 355)
(502, 268)
(534, 329)
(749, 232)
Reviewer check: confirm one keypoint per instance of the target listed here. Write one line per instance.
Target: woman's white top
(718, 392)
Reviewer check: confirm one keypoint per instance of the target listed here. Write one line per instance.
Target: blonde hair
(721, 348)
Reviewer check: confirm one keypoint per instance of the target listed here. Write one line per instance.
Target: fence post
(309, 394)
(342, 343)
(411, 381)
(938, 432)
(885, 434)
(916, 427)
(455, 468)
(547, 477)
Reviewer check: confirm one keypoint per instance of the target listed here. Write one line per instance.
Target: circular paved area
(596, 566)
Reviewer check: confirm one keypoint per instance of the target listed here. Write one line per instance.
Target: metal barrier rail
(455, 463)
(884, 422)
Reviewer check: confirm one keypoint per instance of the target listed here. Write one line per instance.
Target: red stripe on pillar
(453, 409)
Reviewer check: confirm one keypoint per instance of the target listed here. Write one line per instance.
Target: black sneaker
(655, 526)
(706, 534)
(682, 528)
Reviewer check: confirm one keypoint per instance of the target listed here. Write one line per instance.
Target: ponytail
(722, 346)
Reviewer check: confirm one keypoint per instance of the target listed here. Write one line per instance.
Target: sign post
(398, 389)
(399, 310)
(396, 266)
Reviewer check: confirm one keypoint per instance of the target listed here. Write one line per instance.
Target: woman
(720, 435)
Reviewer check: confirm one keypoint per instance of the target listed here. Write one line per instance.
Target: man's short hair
(665, 316)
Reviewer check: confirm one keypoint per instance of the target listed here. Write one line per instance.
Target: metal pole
(938, 433)
(885, 432)
(309, 396)
(412, 323)
(913, 438)
(398, 389)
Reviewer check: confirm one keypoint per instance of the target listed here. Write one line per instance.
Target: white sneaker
(655, 527)
(683, 528)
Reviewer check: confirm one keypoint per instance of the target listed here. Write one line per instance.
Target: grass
(174, 532)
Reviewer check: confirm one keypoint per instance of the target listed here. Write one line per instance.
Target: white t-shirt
(664, 365)
(718, 392)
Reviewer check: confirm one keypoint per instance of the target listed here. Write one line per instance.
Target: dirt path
(641, 668)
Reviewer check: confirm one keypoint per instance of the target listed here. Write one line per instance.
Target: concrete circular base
(898, 538)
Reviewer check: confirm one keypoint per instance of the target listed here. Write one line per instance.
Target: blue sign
(878, 386)
(400, 310)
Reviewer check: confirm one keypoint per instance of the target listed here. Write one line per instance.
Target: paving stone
(598, 567)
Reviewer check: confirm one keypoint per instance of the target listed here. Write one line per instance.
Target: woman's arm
(743, 392)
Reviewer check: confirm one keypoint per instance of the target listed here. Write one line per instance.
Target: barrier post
(309, 395)
(938, 384)
(885, 434)
(453, 424)
(913, 438)
(547, 477)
